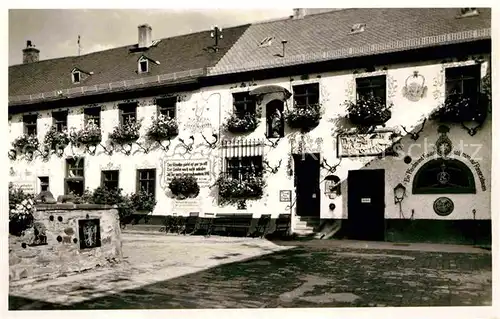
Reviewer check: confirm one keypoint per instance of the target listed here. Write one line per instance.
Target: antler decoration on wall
(188, 147)
(273, 143)
(270, 169)
(143, 147)
(164, 147)
(331, 169)
(106, 150)
(472, 130)
(124, 150)
(212, 145)
(416, 135)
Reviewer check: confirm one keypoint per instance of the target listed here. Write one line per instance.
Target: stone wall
(62, 241)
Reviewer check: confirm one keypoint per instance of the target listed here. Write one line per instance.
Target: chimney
(299, 13)
(30, 53)
(145, 39)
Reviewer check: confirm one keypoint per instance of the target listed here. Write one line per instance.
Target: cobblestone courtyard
(175, 272)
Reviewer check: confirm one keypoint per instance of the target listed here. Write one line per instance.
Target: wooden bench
(241, 224)
(283, 224)
(262, 225)
(192, 223)
(230, 223)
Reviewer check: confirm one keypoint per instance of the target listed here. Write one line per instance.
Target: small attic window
(76, 76)
(358, 27)
(143, 66)
(468, 12)
(266, 42)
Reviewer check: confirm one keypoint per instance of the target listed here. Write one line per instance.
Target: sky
(55, 31)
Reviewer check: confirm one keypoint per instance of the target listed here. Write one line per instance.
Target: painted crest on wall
(415, 88)
(443, 206)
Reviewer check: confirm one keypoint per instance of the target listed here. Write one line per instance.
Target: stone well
(66, 238)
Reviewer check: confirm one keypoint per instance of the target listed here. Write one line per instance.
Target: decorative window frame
(439, 82)
(390, 82)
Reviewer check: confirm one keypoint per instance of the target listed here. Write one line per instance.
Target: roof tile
(327, 32)
(175, 54)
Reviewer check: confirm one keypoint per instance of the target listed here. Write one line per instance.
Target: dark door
(307, 184)
(366, 204)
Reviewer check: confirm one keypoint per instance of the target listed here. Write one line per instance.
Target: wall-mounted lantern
(332, 186)
(399, 194)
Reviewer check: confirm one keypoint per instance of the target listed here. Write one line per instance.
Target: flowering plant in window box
(233, 191)
(162, 128)
(303, 117)
(90, 135)
(371, 110)
(143, 202)
(127, 133)
(21, 208)
(459, 108)
(185, 186)
(238, 124)
(26, 144)
(55, 140)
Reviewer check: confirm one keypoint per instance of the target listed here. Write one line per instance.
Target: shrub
(184, 186)
(21, 208)
(142, 201)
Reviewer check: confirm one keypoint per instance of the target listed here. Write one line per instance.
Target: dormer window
(143, 66)
(468, 12)
(266, 42)
(76, 76)
(358, 27)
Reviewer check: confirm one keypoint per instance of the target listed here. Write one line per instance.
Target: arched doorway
(275, 124)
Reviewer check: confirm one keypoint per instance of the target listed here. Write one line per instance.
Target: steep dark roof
(176, 54)
(326, 36)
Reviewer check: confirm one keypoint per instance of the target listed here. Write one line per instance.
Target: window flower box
(184, 187)
(26, 144)
(459, 108)
(303, 117)
(368, 111)
(162, 128)
(127, 133)
(233, 191)
(238, 124)
(56, 140)
(90, 135)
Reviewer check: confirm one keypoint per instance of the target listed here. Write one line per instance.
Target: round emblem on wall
(443, 177)
(443, 206)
